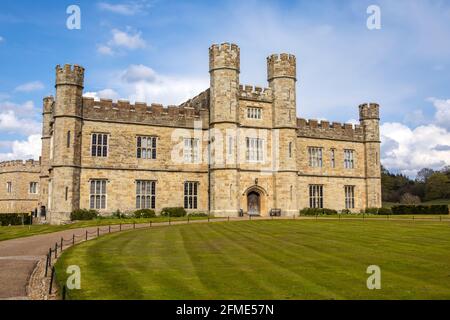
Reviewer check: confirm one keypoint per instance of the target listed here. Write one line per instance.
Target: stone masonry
(243, 147)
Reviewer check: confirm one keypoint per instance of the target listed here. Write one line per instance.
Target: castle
(233, 148)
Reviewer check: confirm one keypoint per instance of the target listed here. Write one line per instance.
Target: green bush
(197, 214)
(173, 212)
(144, 213)
(372, 210)
(345, 211)
(420, 209)
(317, 211)
(384, 211)
(83, 214)
(14, 219)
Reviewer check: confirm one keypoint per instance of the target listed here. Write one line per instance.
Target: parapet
(255, 93)
(326, 130)
(224, 56)
(281, 66)
(20, 165)
(72, 75)
(195, 109)
(48, 104)
(369, 111)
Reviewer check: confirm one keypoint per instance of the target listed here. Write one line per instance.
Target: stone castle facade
(232, 148)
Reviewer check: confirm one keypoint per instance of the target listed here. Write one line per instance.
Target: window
(290, 149)
(9, 187)
(145, 194)
(230, 145)
(67, 193)
(349, 197)
(348, 159)
(315, 196)
(98, 194)
(68, 139)
(146, 147)
(254, 113)
(333, 158)
(190, 151)
(315, 156)
(255, 149)
(190, 195)
(33, 187)
(99, 145)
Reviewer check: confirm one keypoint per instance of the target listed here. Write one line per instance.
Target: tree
(408, 198)
(437, 186)
(424, 174)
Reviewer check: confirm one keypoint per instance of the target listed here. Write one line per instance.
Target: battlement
(154, 114)
(281, 66)
(255, 93)
(20, 165)
(224, 56)
(48, 104)
(73, 75)
(325, 130)
(369, 111)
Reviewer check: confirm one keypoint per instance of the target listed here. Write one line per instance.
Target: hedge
(83, 214)
(317, 211)
(420, 209)
(198, 214)
(173, 212)
(14, 219)
(144, 213)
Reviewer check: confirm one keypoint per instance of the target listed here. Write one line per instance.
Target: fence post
(56, 250)
(73, 239)
(49, 257)
(120, 227)
(51, 281)
(188, 218)
(208, 217)
(109, 229)
(134, 225)
(62, 243)
(64, 292)
(150, 223)
(228, 219)
(98, 232)
(46, 266)
(86, 235)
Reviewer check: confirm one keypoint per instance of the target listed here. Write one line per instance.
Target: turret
(369, 117)
(281, 74)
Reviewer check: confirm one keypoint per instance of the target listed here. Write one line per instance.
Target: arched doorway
(253, 203)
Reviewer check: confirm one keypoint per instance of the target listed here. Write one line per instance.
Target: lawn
(12, 232)
(302, 259)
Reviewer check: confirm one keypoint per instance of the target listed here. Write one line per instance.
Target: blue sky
(157, 51)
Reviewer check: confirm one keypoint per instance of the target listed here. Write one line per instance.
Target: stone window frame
(349, 197)
(254, 113)
(333, 157)
(33, 187)
(255, 149)
(315, 156)
(349, 159)
(191, 150)
(145, 194)
(190, 194)
(102, 145)
(152, 149)
(9, 187)
(316, 196)
(101, 194)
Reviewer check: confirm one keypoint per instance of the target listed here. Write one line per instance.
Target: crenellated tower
(282, 77)
(65, 159)
(224, 68)
(369, 117)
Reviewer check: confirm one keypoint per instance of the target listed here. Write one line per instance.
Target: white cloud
(1, 39)
(442, 115)
(24, 149)
(11, 124)
(129, 39)
(27, 108)
(30, 86)
(103, 94)
(127, 9)
(408, 150)
(136, 73)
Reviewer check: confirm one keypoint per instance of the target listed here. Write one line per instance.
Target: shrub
(345, 211)
(421, 209)
(173, 212)
(144, 213)
(384, 211)
(317, 211)
(372, 210)
(14, 219)
(198, 214)
(83, 214)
